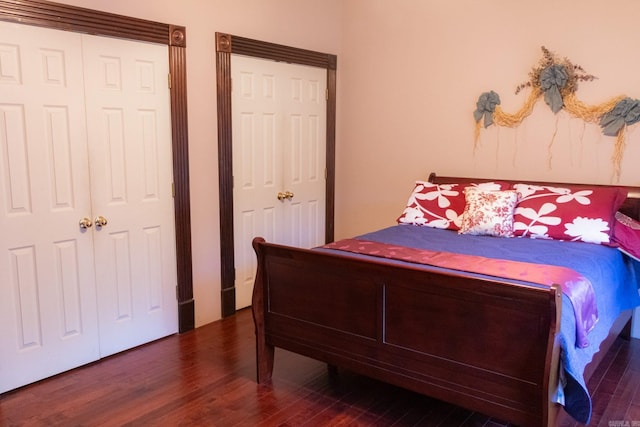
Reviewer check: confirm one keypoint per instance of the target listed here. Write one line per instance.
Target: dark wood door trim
(226, 44)
(70, 18)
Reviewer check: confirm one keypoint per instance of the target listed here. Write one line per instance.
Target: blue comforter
(614, 277)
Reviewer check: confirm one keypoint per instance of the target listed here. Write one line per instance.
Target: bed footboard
(482, 344)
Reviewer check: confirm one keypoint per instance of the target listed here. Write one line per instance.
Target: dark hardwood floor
(206, 377)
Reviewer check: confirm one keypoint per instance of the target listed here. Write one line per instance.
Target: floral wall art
(555, 80)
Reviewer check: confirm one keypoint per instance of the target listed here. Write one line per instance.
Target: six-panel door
(279, 159)
(84, 135)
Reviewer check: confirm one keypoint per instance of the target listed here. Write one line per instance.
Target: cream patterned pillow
(488, 212)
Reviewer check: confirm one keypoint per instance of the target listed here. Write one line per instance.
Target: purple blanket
(575, 286)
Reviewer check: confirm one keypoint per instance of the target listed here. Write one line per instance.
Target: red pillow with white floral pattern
(575, 213)
(440, 205)
(488, 213)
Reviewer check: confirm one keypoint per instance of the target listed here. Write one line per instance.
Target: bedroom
(435, 59)
(412, 54)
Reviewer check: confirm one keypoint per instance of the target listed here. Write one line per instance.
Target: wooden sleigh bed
(420, 330)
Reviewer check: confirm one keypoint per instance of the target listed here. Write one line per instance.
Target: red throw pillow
(440, 205)
(626, 233)
(576, 213)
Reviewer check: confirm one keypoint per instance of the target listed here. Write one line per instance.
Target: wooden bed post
(264, 351)
(552, 363)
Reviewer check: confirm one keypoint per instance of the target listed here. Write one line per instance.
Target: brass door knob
(85, 223)
(286, 195)
(100, 221)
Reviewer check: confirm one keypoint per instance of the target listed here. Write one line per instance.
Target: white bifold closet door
(279, 159)
(85, 138)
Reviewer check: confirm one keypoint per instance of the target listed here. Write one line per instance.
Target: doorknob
(101, 221)
(286, 195)
(85, 223)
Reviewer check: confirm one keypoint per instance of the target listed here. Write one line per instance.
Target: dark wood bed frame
(483, 344)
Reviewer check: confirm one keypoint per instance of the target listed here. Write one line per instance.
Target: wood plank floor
(206, 377)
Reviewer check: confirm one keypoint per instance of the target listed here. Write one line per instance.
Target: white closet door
(279, 146)
(305, 154)
(48, 320)
(129, 122)
(82, 136)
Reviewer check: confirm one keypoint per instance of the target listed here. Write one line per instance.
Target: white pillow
(488, 212)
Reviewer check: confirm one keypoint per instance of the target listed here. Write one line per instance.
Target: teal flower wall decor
(552, 80)
(485, 107)
(626, 112)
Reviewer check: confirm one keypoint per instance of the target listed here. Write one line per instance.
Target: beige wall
(411, 72)
(409, 75)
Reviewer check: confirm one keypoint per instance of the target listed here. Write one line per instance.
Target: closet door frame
(71, 18)
(226, 44)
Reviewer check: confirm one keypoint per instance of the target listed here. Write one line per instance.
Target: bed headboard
(630, 207)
